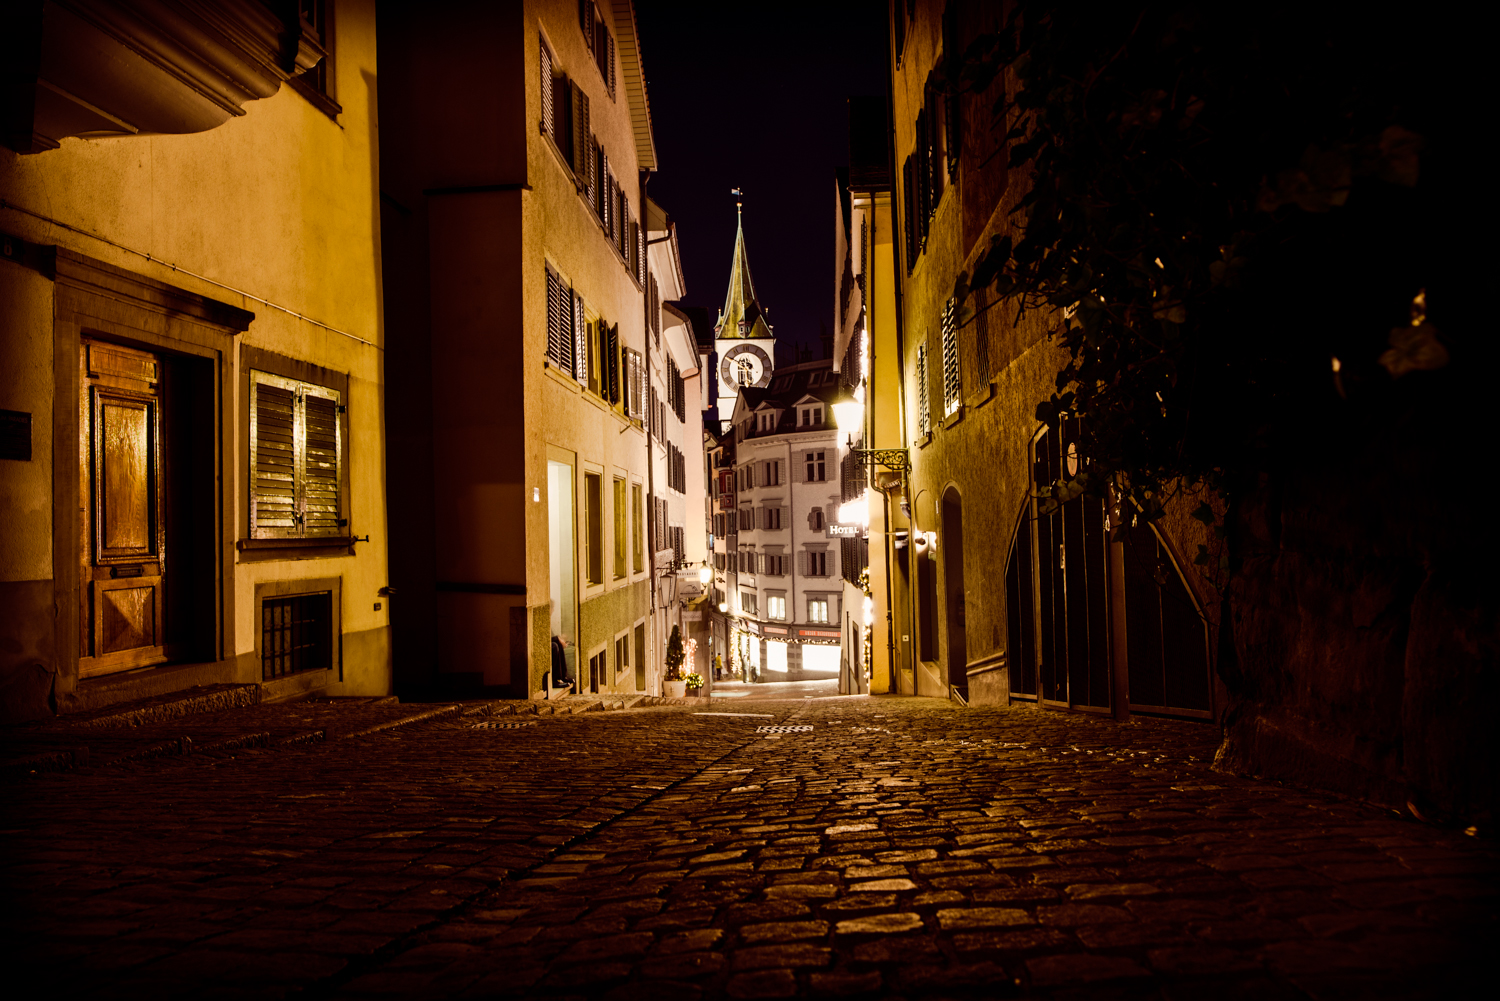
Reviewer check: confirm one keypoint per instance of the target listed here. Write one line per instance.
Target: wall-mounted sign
(837, 531)
(819, 632)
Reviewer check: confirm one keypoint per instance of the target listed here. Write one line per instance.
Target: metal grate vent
(296, 634)
(782, 729)
(501, 726)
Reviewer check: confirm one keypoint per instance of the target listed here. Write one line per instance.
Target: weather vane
(738, 197)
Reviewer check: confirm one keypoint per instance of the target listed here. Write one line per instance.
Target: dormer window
(812, 416)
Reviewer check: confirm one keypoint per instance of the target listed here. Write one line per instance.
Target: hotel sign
(838, 531)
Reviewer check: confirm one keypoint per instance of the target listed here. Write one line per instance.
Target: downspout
(650, 419)
(900, 256)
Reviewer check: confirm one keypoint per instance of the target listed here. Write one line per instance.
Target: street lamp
(849, 412)
(705, 573)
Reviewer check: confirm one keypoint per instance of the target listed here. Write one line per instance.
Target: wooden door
(122, 535)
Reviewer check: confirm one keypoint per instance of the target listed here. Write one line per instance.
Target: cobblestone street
(869, 847)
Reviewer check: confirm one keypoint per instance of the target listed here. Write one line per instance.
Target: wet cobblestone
(901, 848)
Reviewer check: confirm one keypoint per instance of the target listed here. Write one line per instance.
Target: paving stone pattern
(901, 848)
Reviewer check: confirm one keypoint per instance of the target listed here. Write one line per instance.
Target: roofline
(628, 37)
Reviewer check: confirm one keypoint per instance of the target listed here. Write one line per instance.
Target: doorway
(124, 571)
(955, 616)
(563, 560)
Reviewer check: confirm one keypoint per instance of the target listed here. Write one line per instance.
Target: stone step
(161, 708)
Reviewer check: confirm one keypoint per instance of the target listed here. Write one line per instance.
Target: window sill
(317, 98)
(566, 380)
(317, 542)
(980, 396)
(264, 550)
(924, 440)
(953, 418)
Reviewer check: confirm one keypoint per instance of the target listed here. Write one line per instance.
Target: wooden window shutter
(802, 563)
(909, 217)
(556, 318)
(611, 57)
(586, 21)
(296, 459)
(580, 332)
(640, 255)
(321, 468)
(548, 128)
(655, 310)
(952, 382)
(613, 361)
(578, 147)
(273, 502)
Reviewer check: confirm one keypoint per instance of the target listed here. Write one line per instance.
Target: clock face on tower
(746, 365)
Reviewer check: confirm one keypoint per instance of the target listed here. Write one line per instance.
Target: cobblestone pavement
(897, 848)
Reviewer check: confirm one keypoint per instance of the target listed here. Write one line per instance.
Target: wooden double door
(124, 568)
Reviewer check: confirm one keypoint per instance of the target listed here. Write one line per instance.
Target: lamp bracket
(892, 458)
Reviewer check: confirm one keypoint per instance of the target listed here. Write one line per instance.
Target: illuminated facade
(192, 477)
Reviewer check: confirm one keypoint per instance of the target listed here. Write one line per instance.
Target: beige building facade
(191, 360)
(517, 146)
(989, 594)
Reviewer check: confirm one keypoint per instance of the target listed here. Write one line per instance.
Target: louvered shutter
(580, 329)
(547, 95)
(273, 502)
(556, 306)
(613, 362)
(320, 463)
(802, 563)
(952, 382)
(611, 57)
(586, 21)
(578, 145)
(909, 217)
(831, 564)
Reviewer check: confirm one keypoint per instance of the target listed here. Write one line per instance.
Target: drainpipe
(900, 255)
(650, 418)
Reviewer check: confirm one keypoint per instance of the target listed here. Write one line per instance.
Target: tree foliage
(1227, 209)
(675, 655)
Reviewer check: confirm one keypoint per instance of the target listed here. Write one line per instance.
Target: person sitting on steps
(560, 677)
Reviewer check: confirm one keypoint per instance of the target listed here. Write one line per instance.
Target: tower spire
(741, 309)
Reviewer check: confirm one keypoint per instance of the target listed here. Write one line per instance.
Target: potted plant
(694, 684)
(674, 686)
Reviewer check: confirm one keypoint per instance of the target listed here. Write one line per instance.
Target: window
(776, 607)
(772, 474)
(595, 354)
(816, 563)
(593, 503)
(637, 522)
(622, 653)
(815, 519)
(817, 610)
(296, 634)
(952, 384)
(924, 418)
(817, 467)
(316, 84)
(770, 518)
(776, 565)
(747, 602)
(620, 527)
(566, 328)
(296, 459)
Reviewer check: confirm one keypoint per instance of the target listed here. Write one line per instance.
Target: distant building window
(924, 418)
(776, 607)
(816, 563)
(621, 532)
(815, 519)
(817, 610)
(952, 382)
(593, 508)
(747, 602)
(817, 468)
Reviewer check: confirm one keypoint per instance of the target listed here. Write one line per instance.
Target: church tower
(745, 343)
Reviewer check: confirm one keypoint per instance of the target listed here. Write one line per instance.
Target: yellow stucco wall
(281, 203)
(558, 228)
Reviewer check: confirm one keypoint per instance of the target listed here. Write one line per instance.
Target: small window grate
(296, 634)
(782, 729)
(501, 726)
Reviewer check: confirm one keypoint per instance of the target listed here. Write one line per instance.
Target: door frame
(96, 299)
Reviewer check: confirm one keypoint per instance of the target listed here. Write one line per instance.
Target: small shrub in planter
(694, 682)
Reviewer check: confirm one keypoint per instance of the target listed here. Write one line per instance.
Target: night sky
(753, 96)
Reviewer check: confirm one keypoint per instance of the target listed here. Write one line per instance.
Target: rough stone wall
(1361, 649)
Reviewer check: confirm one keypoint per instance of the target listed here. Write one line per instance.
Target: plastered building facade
(192, 256)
